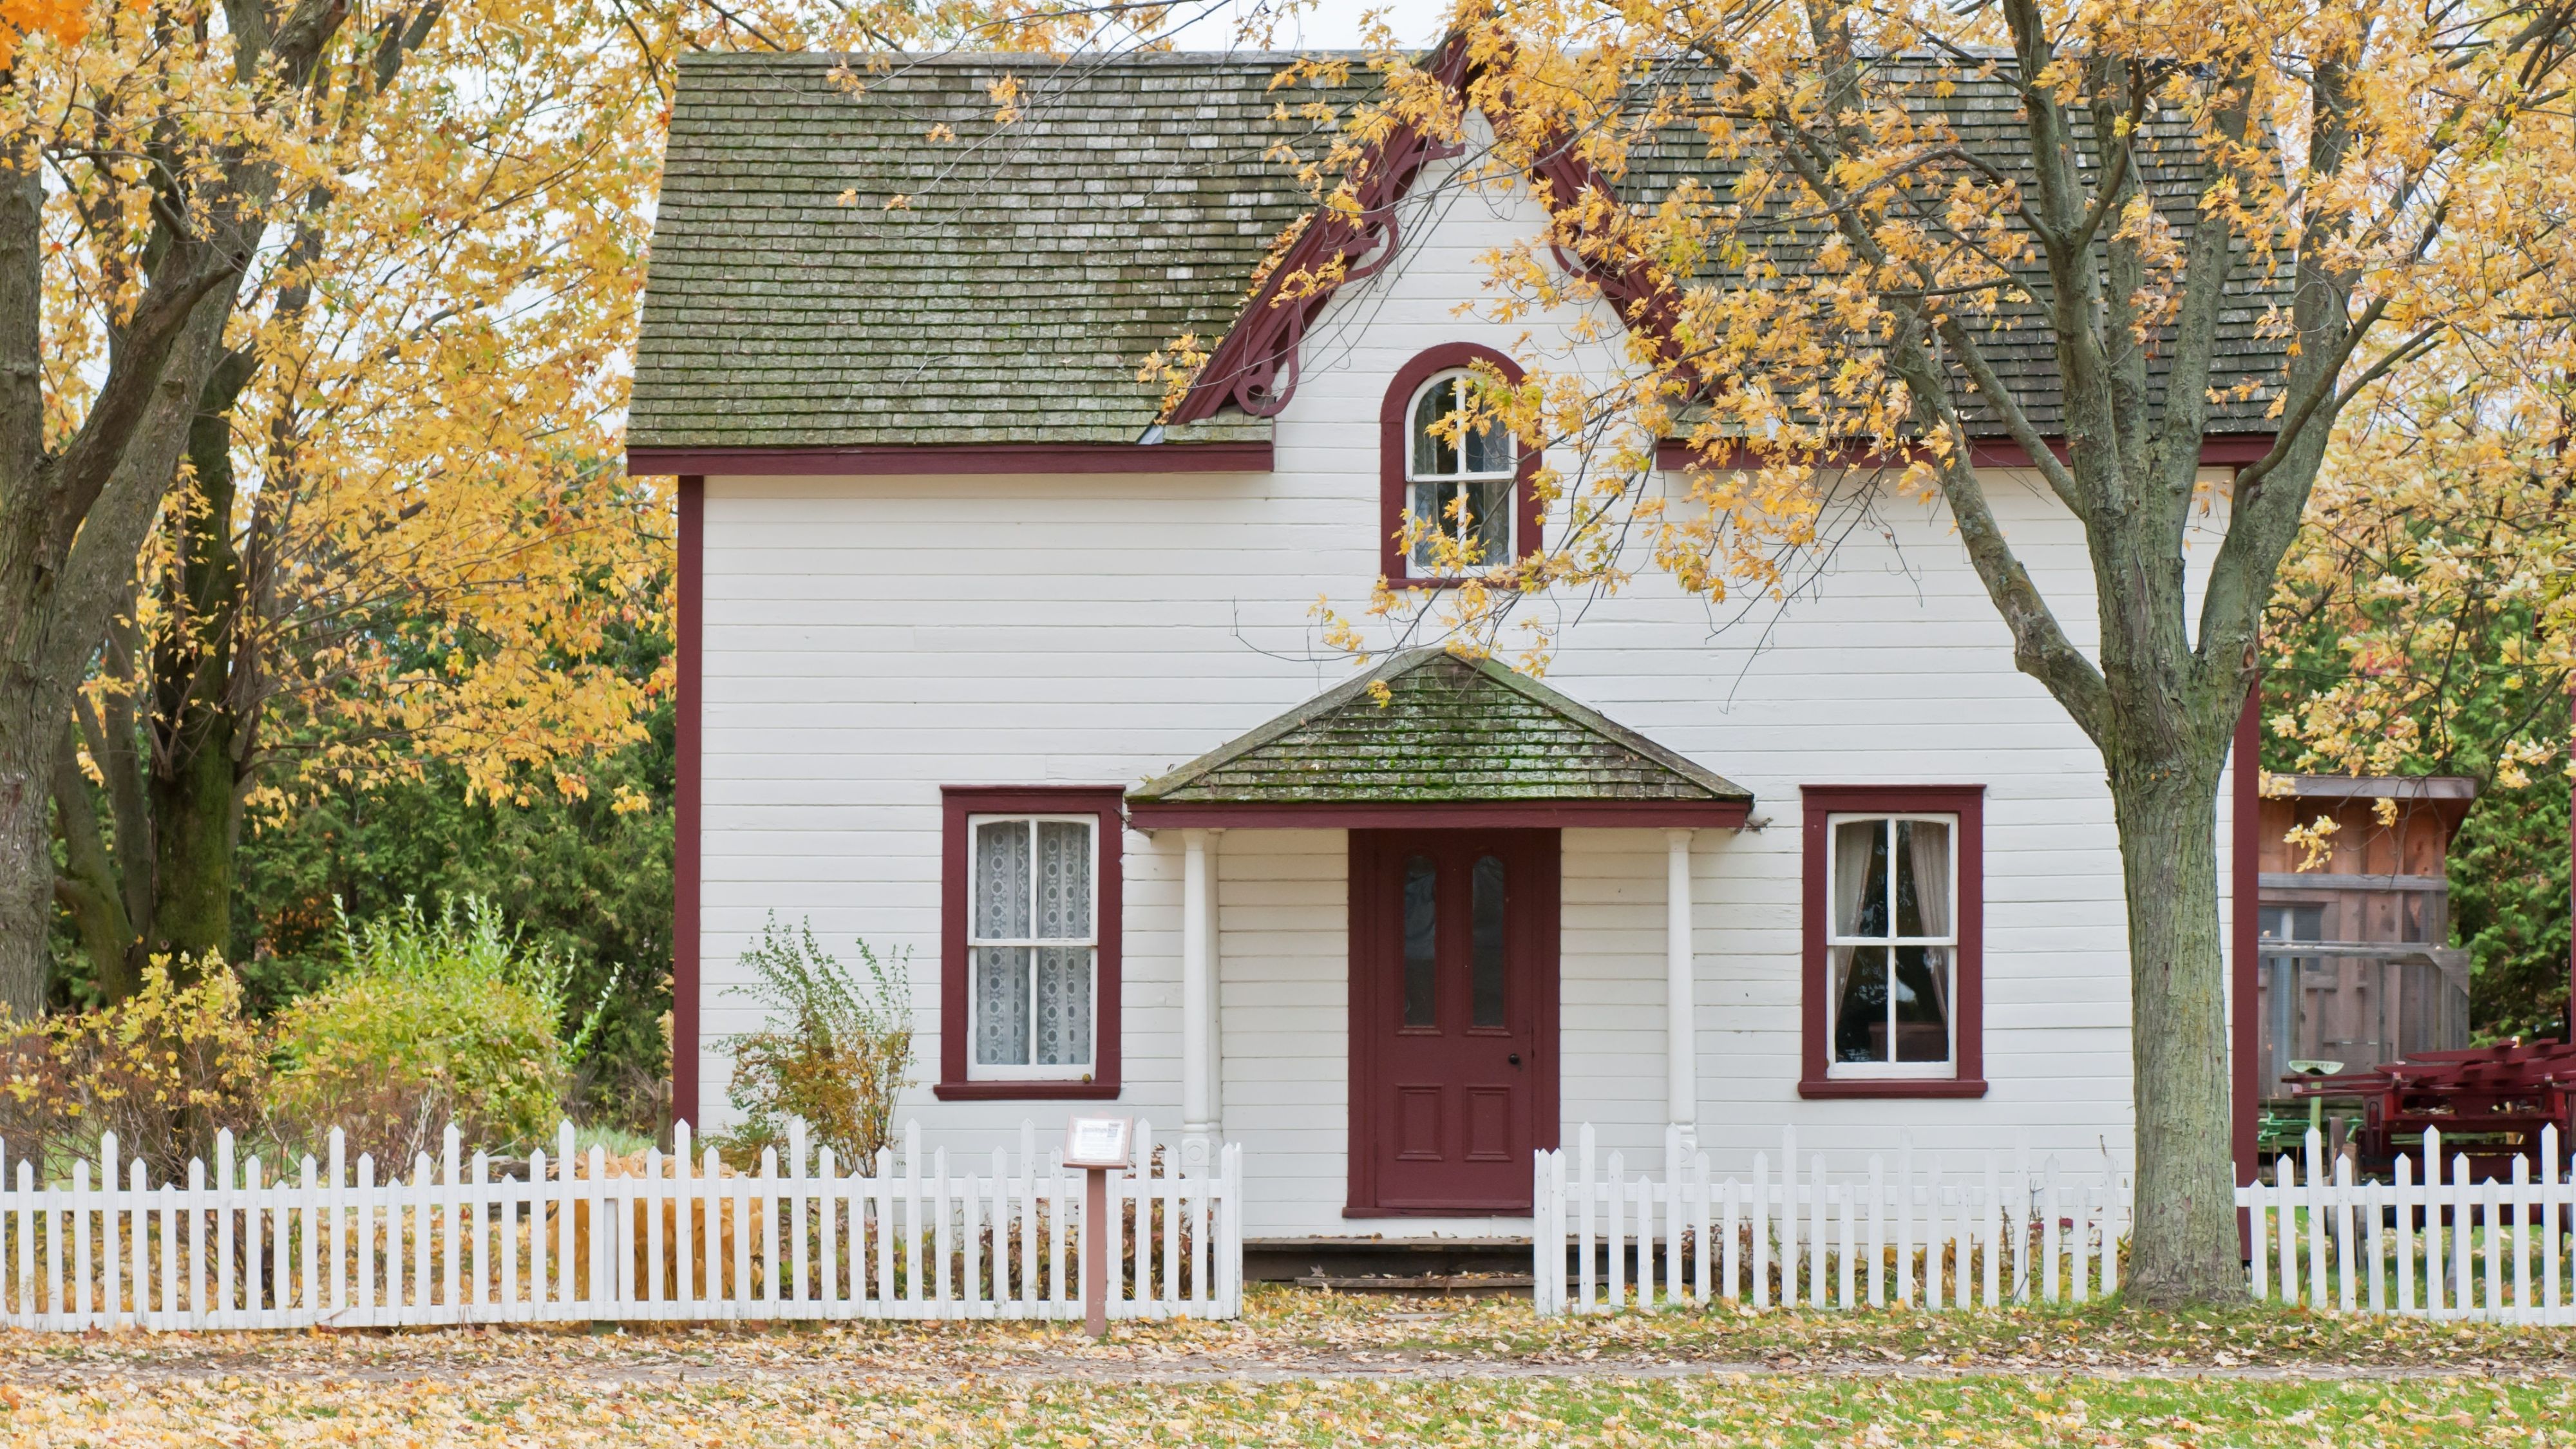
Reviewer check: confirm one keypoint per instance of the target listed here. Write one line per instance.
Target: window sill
(1029, 1091)
(1829, 1087)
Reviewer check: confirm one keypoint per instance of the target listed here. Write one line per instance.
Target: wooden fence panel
(1950, 1234)
(566, 1236)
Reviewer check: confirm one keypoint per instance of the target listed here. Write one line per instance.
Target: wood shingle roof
(1013, 295)
(1449, 731)
(1010, 295)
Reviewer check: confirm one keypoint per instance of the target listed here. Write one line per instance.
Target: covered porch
(1449, 798)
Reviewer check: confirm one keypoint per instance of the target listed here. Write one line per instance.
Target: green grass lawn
(1726, 1409)
(1314, 1368)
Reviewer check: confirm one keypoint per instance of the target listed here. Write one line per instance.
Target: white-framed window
(1459, 478)
(1033, 945)
(1891, 885)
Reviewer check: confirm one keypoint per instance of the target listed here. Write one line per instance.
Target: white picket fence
(649, 1238)
(1917, 1231)
(2421, 1248)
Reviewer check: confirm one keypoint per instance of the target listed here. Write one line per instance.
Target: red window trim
(1818, 802)
(956, 803)
(1395, 445)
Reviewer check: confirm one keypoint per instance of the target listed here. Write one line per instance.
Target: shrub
(432, 1020)
(165, 1070)
(839, 1058)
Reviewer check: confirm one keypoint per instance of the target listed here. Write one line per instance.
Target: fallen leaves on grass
(1731, 1409)
(1429, 1372)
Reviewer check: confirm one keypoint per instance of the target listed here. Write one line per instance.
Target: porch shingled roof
(1450, 731)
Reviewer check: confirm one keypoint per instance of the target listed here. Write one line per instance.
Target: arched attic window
(1472, 485)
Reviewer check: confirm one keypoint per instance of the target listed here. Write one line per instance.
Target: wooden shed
(2357, 969)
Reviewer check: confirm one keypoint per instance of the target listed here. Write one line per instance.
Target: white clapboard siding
(1919, 1231)
(2439, 1247)
(871, 639)
(579, 1237)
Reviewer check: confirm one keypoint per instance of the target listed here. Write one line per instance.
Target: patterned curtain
(1063, 972)
(1002, 972)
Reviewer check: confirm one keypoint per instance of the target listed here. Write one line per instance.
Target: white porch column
(1681, 1042)
(1198, 994)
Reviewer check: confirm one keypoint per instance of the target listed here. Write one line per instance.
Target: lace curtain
(1032, 999)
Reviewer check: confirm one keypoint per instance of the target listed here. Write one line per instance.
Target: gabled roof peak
(1428, 728)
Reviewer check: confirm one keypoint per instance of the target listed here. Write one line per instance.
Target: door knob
(1516, 1059)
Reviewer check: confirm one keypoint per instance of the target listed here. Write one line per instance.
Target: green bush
(431, 1020)
(838, 1056)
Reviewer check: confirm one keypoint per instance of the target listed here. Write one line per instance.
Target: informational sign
(1099, 1141)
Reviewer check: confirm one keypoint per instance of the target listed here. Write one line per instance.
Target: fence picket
(2552, 1194)
(1616, 1270)
(2345, 1288)
(1585, 1241)
(2050, 1241)
(2521, 1257)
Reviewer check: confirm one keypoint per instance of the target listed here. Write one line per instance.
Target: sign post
(1097, 1145)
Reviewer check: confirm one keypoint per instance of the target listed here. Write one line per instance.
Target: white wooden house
(986, 657)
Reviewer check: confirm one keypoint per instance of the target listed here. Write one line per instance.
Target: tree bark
(199, 733)
(57, 597)
(2166, 808)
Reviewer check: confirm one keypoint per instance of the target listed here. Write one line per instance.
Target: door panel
(1417, 1115)
(1489, 1124)
(1453, 1018)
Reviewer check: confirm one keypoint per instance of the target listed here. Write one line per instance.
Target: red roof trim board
(1411, 815)
(1254, 366)
(688, 791)
(1642, 297)
(947, 459)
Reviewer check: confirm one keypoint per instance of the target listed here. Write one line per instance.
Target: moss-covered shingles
(1010, 294)
(1447, 730)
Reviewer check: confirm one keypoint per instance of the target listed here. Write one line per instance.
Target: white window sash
(1444, 526)
(980, 1071)
(1895, 1071)
(1413, 408)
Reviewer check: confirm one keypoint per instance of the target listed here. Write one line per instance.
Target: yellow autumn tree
(2426, 623)
(146, 149)
(382, 519)
(400, 529)
(1814, 296)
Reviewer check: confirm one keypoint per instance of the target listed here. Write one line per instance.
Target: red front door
(1453, 1018)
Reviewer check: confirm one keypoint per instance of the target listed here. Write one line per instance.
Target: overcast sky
(1335, 25)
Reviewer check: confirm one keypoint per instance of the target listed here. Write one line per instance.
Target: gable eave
(1705, 797)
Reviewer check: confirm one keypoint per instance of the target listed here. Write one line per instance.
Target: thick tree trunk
(58, 596)
(198, 732)
(193, 816)
(2185, 1250)
(26, 855)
